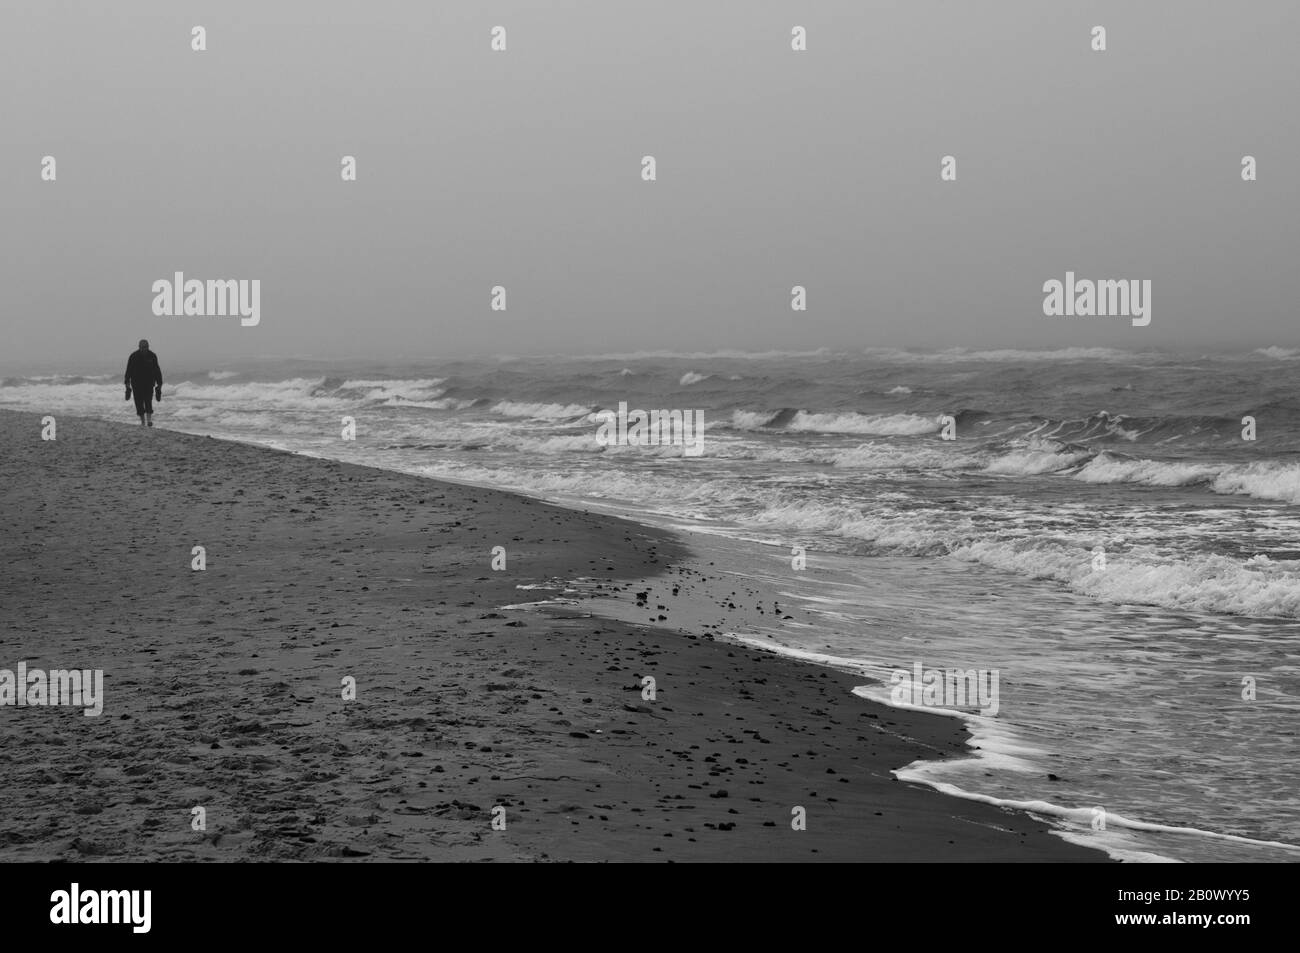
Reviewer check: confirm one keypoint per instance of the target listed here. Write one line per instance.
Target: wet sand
(223, 687)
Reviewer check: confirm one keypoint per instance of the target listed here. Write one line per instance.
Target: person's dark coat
(142, 371)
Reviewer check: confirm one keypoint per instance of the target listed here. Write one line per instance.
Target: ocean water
(1098, 533)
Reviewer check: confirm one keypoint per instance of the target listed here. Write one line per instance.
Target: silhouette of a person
(144, 377)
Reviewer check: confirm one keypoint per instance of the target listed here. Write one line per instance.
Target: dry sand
(223, 686)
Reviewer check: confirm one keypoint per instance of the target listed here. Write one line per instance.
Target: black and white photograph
(578, 432)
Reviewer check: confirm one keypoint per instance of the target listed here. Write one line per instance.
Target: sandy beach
(223, 687)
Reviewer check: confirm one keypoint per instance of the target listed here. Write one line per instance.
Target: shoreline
(222, 686)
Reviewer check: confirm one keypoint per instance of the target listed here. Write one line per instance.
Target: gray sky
(523, 169)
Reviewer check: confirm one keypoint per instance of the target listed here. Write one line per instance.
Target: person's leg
(148, 407)
(140, 400)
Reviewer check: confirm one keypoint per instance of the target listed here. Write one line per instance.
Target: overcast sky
(522, 169)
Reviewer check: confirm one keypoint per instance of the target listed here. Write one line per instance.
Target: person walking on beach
(144, 377)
